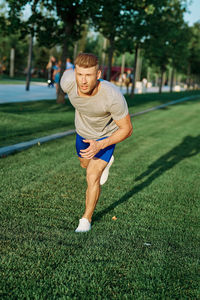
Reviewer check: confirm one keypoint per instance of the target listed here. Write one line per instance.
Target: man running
(101, 120)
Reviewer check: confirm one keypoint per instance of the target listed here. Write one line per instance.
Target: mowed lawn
(25, 121)
(150, 250)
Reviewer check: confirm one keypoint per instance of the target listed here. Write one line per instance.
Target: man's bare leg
(94, 169)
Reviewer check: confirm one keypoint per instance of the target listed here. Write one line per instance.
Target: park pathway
(12, 93)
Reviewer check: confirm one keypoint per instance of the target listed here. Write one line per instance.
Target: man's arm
(124, 131)
(67, 81)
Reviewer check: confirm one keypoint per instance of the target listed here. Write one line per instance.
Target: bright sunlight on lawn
(149, 251)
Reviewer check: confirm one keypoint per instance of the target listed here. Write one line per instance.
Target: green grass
(5, 79)
(11, 81)
(150, 252)
(26, 121)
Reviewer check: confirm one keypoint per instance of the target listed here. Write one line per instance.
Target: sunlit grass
(151, 251)
(26, 121)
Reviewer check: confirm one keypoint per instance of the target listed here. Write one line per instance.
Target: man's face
(86, 79)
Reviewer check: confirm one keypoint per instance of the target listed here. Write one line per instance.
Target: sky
(190, 17)
(194, 14)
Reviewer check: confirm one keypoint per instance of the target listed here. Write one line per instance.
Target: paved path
(11, 93)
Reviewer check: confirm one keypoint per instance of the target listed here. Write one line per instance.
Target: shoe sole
(108, 168)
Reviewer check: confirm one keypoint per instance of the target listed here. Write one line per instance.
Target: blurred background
(140, 44)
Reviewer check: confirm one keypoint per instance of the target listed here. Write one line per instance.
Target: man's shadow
(190, 146)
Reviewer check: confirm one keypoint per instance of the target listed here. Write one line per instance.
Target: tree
(24, 27)
(52, 22)
(70, 17)
(194, 51)
(13, 41)
(109, 18)
(179, 51)
(164, 35)
(135, 30)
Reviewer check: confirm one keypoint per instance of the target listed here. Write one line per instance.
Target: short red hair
(87, 60)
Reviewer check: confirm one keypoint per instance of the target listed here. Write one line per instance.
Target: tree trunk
(12, 62)
(103, 57)
(61, 94)
(148, 74)
(30, 54)
(188, 81)
(110, 56)
(156, 79)
(122, 68)
(138, 66)
(134, 71)
(172, 81)
(123, 63)
(161, 81)
(83, 40)
(75, 50)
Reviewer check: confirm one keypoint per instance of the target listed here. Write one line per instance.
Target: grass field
(26, 121)
(5, 79)
(151, 251)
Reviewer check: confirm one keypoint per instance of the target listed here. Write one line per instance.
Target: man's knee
(84, 163)
(93, 175)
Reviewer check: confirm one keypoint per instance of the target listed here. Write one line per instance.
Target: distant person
(102, 120)
(123, 77)
(50, 70)
(69, 65)
(128, 80)
(3, 65)
(144, 85)
(56, 74)
(121, 80)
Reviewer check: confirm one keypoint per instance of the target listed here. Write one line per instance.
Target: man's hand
(92, 150)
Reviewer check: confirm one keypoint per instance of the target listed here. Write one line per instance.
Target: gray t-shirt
(95, 115)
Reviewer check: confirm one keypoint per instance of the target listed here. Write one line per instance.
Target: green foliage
(194, 48)
(155, 26)
(51, 21)
(41, 56)
(128, 61)
(21, 49)
(109, 27)
(165, 31)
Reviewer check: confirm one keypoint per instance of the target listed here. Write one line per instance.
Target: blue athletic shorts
(104, 154)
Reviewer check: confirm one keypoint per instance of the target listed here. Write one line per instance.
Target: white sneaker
(83, 226)
(104, 175)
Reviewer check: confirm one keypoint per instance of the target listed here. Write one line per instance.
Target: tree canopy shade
(194, 52)
(70, 17)
(108, 18)
(51, 22)
(135, 30)
(130, 24)
(152, 25)
(116, 21)
(165, 32)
